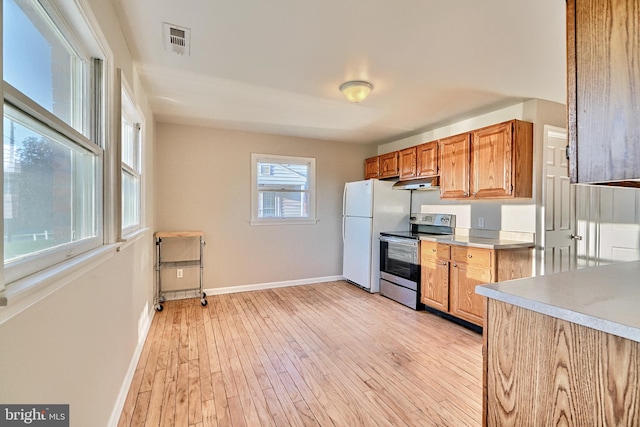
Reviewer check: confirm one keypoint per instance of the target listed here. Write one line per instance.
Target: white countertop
(604, 298)
(479, 242)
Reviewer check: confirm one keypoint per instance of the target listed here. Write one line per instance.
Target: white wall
(203, 183)
(608, 219)
(506, 215)
(76, 346)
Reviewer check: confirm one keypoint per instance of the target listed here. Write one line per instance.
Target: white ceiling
(275, 66)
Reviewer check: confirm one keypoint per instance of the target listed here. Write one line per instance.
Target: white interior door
(559, 204)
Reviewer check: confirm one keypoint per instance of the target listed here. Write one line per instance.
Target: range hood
(430, 183)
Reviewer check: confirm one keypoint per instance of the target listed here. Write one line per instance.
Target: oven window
(399, 259)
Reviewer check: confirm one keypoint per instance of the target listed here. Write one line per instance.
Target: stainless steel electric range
(400, 256)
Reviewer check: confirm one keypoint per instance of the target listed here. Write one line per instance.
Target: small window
(131, 165)
(283, 190)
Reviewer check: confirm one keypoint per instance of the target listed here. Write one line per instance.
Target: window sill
(23, 293)
(283, 222)
(132, 237)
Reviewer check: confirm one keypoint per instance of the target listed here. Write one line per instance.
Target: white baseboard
(126, 383)
(271, 285)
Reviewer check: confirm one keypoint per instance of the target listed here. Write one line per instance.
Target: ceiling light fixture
(356, 90)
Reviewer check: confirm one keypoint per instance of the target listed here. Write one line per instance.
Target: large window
(52, 167)
(131, 165)
(283, 189)
(40, 61)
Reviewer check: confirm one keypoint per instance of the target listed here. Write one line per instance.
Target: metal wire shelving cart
(178, 265)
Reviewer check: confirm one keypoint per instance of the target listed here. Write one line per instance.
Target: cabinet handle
(433, 250)
(466, 194)
(474, 193)
(469, 256)
(455, 265)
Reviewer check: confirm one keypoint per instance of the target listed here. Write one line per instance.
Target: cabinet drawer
(428, 248)
(444, 251)
(472, 256)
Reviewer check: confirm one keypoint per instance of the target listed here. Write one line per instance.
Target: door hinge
(567, 152)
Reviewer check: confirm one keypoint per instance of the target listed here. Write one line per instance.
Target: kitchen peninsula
(564, 349)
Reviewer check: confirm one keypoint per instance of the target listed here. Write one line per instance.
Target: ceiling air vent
(177, 39)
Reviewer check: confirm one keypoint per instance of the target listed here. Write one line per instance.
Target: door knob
(576, 237)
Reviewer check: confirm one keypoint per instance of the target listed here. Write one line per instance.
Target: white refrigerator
(370, 207)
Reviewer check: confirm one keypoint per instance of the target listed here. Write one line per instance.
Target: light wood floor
(314, 355)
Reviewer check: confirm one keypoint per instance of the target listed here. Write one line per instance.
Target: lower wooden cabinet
(450, 273)
(465, 303)
(435, 277)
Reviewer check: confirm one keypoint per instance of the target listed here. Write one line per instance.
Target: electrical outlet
(179, 273)
(481, 222)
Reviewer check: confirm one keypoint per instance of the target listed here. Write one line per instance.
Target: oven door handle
(399, 241)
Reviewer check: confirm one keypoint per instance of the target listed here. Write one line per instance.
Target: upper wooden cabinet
(502, 160)
(419, 161)
(603, 80)
(389, 165)
(407, 159)
(492, 162)
(427, 159)
(383, 166)
(372, 167)
(454, 166)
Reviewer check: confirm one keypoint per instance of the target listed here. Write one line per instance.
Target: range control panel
(445, 220)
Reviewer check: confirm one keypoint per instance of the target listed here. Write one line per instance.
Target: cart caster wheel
(159, 307)
(204, 302)
(204, 295)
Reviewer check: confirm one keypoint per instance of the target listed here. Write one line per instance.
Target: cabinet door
(464, 302)
(603, 83)
(435, 278)
(454, 166)
(407, 163)
(491, 161)
(389, 165)
(427, 159)
(371, 167)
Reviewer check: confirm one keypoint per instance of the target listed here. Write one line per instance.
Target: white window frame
(86, 46)
(131, 114)
(255, 193)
